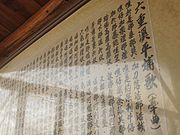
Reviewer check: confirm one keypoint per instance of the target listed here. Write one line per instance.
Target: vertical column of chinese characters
(103, 85)
(128, 74)
(108, 76)
(123, 43)
(65, 114)
(61, 64)
(100, 40)
(101, 76)
(24, 94)
(70, 110)
(7, 107)
(57, 107)
(56, 93)
(37, 89)
(30, 123)
(104, 111)
(39, 85)
(114, 59)
(66, 85)
(94, 81)
(44, 68)
(10, 87)
(77, 110)
(5, 110)
(82, 109)
(36, 72)
(117, 76)
(26, 121)
(49, 91)
(63, 76)
(148, 65)
(130, 31)
(82, 83)
(13, 87)
(75, 75)
(138, 99)
(89, 70)
(47, 71)
(88, 81)
(76, 62)
(76, 83)
(44, 86)
(70, 64)
(56, 66)
(82, 60)
(120, 101)
(96, 109)
(61, 84)
(96, 98)
(14, 107)
(128, 99)
(21, 105)
(89, 114)
(60, 118)
(65, 62)
(69, 86)
(57, 60)
(39, 68)
(34, 80)
(122, 32)
(45, 61)
(94, 45)
(52, 69)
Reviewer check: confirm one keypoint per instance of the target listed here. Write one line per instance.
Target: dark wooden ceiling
(13, 13)
(22, 22)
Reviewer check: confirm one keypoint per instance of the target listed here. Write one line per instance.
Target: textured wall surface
(165, 15)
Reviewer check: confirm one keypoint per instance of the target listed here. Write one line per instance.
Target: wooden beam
(21, 32)
(64, 10)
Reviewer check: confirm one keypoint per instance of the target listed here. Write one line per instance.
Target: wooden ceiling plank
(4, 31)
(10, 16)
(30, 6)
(16, 7)
(11, 27)
(29, 24)
(42, 2)
(58, 15)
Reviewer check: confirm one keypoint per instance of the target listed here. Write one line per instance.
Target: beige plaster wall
(165, 16)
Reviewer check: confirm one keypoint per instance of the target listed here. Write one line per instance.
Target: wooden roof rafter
(52, 13)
